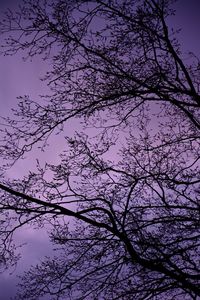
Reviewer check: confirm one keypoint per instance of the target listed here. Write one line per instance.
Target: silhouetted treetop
(122, 203)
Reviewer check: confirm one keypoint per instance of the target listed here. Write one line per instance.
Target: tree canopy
(122, 205)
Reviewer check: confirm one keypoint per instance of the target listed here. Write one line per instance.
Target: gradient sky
(18, 78)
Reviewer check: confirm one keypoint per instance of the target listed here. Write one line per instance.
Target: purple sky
(18, 78)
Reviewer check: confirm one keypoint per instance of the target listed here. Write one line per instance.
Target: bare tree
(123, 206)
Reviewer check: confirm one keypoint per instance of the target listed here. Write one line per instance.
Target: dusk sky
(18, 77)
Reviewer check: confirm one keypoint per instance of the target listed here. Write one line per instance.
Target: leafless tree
(123, 206)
